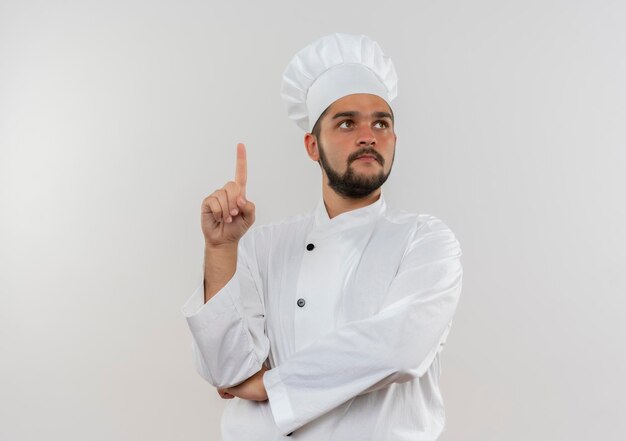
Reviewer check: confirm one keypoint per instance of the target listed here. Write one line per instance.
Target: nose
(366, 136)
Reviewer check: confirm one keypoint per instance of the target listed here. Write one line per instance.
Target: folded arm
(397, 344)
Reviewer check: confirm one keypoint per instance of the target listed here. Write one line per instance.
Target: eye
(346, 124)
(383, 124)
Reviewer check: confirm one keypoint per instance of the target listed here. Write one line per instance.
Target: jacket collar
(350, 219)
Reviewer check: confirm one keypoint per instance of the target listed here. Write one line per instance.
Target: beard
(350, 184)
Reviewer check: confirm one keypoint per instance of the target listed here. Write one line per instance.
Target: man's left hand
(252, 389)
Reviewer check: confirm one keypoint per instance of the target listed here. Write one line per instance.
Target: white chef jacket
(349, 313)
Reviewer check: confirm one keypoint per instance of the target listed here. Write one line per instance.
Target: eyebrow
(353, 114)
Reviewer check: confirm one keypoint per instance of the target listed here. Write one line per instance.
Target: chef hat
(330, 68)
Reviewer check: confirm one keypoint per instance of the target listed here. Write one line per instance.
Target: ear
(310, 143)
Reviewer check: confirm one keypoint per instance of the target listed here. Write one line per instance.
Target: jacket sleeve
(397, 344)
(229, 343)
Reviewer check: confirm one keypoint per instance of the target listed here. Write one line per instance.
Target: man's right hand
(226, 214)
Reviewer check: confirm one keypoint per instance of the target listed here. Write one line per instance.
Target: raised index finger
(241, 168)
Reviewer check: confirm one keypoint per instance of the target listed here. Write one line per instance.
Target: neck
(337, 204)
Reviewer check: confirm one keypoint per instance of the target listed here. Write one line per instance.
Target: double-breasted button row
(302, 302)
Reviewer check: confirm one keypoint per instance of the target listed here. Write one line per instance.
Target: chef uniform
(350, 313)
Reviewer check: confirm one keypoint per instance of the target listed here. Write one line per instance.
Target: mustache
(366, 151)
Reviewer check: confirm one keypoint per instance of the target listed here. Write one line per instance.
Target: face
(356, 145)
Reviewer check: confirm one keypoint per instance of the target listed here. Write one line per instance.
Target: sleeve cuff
(279, 402)
(200, 315)
(195, 302)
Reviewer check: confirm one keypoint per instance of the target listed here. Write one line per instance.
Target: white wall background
(117, 118)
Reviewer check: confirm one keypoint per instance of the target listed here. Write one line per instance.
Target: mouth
(367, 158)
